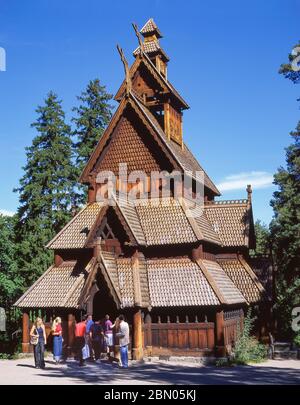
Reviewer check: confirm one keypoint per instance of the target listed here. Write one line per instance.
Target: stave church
(183, 282)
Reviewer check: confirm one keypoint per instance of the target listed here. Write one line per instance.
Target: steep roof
(232, 220)
(182, 157)
(153, 222)
(156, 282)
(74, 234)
(58, 287)
(149, 28)
(244, 278)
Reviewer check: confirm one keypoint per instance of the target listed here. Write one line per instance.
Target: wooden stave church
(183, 292)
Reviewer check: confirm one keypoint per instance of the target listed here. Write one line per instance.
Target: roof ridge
(225, 202)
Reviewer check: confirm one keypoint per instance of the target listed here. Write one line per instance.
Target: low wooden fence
(167, 338)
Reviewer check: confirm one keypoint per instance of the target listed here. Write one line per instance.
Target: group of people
(92, 337)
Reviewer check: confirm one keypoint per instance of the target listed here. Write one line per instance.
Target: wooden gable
(144, 85)
(132, 144)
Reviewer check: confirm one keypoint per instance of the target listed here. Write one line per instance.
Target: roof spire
(126, 69)
(151, 45)
(249, 192)
(151, 29)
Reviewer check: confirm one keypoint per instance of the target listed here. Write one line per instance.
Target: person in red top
(57, 340)
(80, 330)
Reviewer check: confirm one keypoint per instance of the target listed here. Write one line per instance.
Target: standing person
(57, 339)
(96, 335)
(88, 339)
(38, 332)
(80, 329)
(108, 334)
(123, 336)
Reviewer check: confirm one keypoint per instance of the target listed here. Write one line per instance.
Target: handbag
(85, 352)
(34, 340)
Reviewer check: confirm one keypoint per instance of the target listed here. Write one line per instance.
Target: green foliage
(297, 340)
(285, 227)
(247, 348)
(92, 116)
(46, 189)
(10, 279)
(262, 235)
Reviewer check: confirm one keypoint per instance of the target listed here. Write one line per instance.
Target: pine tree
(10, 281)
(285, 227)
(45, 190)
(92, 116)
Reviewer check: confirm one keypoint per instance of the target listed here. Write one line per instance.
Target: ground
(157, 372)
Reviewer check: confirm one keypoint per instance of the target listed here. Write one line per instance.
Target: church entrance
(103, 302)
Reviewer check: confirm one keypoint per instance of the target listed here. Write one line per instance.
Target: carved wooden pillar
(71, 333)
(137, 347)
(25, 339)
(220, 342)
(148, 334)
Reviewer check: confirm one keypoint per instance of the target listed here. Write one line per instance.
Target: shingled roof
(178, 282)
(74, 234)
(184, 156)
(165, 282)
(225, 289)
(231, 220)
(149, 28)
(244, 278)
(153, 222)
(57, 287)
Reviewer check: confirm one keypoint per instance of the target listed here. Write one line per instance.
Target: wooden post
(25, 339)
(148, 322)
(97, 247)
(71, 334)
(220, 343)
(137, 348)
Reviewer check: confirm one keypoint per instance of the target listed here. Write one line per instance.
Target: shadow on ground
(162, 373)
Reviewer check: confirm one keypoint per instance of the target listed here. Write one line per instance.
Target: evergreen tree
(262, 235)
(45, 190)
(285, 227)
(10, 280)
(92, 116)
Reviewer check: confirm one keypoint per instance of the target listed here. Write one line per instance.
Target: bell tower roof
(151, 47)
(150, 28)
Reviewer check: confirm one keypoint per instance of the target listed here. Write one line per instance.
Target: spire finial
(249, 192)
(126, 69)
(139, 37)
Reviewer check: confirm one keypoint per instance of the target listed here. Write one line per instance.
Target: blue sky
(224, 60)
